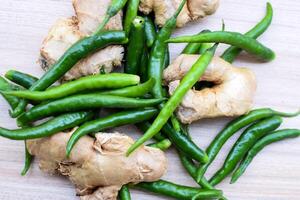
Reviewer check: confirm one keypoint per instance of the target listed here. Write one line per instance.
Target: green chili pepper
(233, 127)
(157, 55)
(143, 70)
(260, 144)
(117, 119)
(135, 46)
(193, 48)
(249, 137)
(162, 145)
(190, 167)
(149, 31)
(131, 13)
(233, 38)
(106, 81)
(179, 191)
(232, 52)
(132, 91)
(187, 83)
(6, 86)
(185, 144)
(204, 47)
(167, 57)
(20, 78)
(83, 102)
(112, 10)
(124, 193)
(48, 128)
(76, 52)
(144, 126)
(28, 160)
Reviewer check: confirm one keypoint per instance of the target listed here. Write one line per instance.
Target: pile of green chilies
(142, 100)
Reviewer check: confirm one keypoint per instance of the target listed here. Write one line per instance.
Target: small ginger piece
(98, 167)
(66, 32)
(164, 9)
(231, 95)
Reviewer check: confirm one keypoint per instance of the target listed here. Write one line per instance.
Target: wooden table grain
(274, 174)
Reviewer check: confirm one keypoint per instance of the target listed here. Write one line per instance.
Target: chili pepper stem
(102, 25)
(284, 114)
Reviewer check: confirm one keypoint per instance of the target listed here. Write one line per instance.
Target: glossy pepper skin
(272, 137)
(20, 78)
(158, 50)
(124, 193)
(185, 144)
(179, 191)
(232, 52)
(193, 48)
(186, 83)
(191, 168)
(131, 13)
(135, 46)
(83, 102)
(248, 138)
(94, 82)
(76, 52)
(114, 7)
(150, 31)
(233, 127)
(132, 91)
(246, 43)
(6, 86)
(114, 120)
(55, 125)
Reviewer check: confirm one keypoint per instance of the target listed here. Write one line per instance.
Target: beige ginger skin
(65, 32)
(98, 167)
(232, 94)
(164, 9)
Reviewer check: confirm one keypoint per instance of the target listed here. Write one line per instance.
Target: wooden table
(274, 174)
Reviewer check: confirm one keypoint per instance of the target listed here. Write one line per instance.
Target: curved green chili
(124, 193)
(187, 83)
(132, 91)
(248, 138)
(233, 38)
(6, 86)
(48, 128)
(185, 144)
(260, 144)
(193, 48)
(117, 119)
(28, 160)
(149, 31)
(76, 52)
(114, 7)
(100, 81)
(232, 52)
(233, 127)
(158, 50)
(179, 191)
(131, 13)
(83, 102)
(167, 57)
(144, 126)
(162, 145)
(20, 78)
(135, 46)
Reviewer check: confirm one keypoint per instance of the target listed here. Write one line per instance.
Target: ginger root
(231, 95)
(164, 9)
(98, 167)
(65, 32)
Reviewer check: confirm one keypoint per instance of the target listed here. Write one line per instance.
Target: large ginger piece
(98, 167)
(65, 32)
(232, 94)
(164, 9)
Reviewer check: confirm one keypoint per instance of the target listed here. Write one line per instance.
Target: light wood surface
(275, 172)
